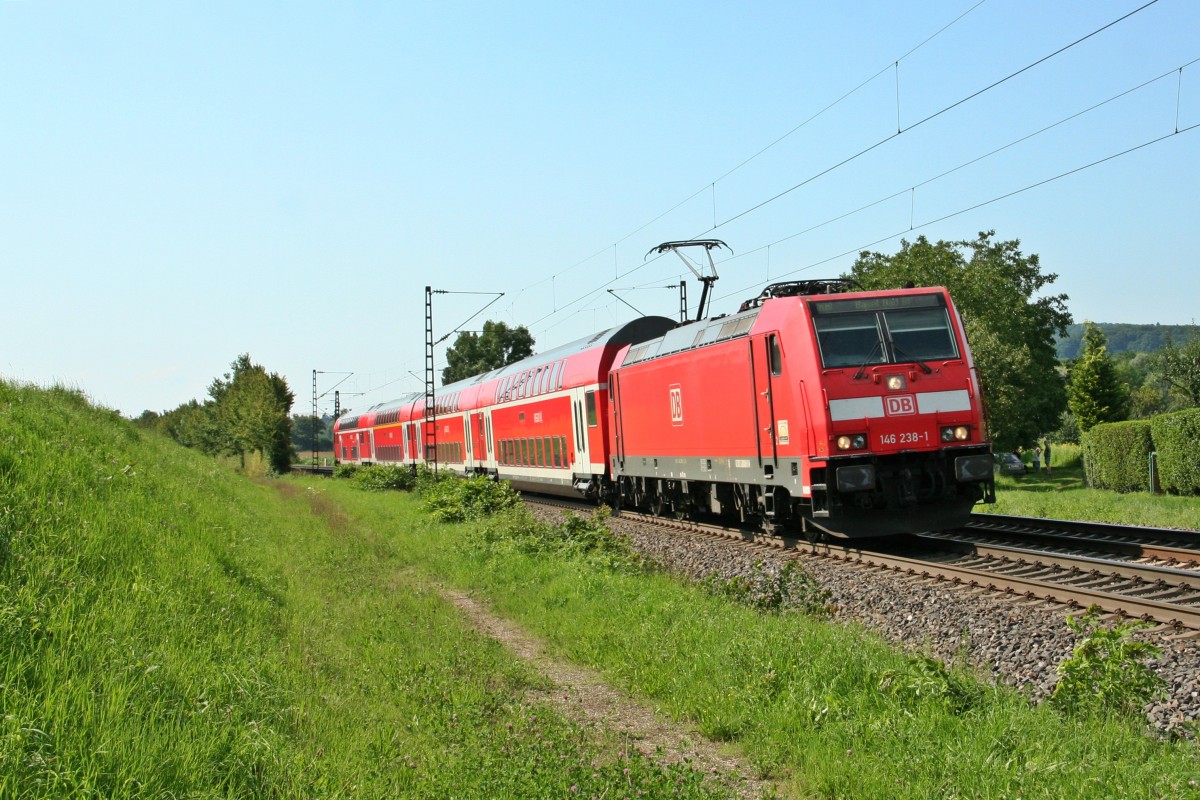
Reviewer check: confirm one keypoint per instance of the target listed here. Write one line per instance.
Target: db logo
(899, 405)
(676, 404)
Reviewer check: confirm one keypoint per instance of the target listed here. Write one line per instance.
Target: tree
(1012, 333)
(1094, 392)
(1179, 368)
(251, 413)
(498, 345)
(302, 432)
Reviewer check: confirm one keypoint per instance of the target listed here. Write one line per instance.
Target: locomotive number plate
(911, 437)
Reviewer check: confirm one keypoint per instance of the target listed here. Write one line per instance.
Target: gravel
(1018, 642)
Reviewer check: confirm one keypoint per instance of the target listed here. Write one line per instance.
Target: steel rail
(1030, 588)
(1163, 543)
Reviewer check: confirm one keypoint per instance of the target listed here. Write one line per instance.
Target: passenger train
(814, 409)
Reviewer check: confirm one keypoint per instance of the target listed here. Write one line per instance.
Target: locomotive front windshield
(883, 330)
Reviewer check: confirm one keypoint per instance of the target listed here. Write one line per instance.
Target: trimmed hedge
(1177, 440)
(1116, 455)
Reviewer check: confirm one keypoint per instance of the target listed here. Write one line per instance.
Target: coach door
(479, 439)
(765, 365)
(614, 398)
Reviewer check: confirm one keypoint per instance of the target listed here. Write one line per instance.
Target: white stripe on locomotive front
(927, 403)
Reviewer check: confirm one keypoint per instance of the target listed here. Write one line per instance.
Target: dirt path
(582, 695)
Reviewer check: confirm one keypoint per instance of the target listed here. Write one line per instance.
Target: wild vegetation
(169, 628)
(246, 414)
(292, 628)
(497, 345)
(1126, 337)
(1011, 326)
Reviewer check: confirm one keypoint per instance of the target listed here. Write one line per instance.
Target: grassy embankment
(168, 628)
(1062, 494)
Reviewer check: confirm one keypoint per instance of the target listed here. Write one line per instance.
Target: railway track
(312, 469)
(1167, 546)
(1138, 573)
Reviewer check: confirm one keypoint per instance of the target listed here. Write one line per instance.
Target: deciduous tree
(1179, 368)
(496, 346)
(251, 409)
(1011, 326)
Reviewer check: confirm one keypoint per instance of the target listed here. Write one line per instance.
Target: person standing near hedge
(1046, 454)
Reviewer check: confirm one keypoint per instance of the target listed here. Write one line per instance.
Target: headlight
(855, 441)
(958, 433)
(896, 382)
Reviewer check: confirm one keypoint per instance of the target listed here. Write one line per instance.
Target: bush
(773, 588)
(1175, 438)
(380, 478)
(1116, 455)
(449, 498)
(576, 536)
(924, 679)
(345, 470)
(1107, 671)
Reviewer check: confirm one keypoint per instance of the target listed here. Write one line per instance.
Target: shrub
(576, 536)
(925, 679)
(1107, 671)
(1175, 438)
(773, 588)
(454, 499)
(1116, 455)
(380, 478)
(345, 470)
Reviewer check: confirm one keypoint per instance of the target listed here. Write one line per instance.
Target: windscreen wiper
(867, 360)
(924, 367)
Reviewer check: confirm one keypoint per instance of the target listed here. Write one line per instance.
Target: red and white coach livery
(540, 423)
(813, 409)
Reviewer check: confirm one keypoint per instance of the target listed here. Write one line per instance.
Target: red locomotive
(813, 409)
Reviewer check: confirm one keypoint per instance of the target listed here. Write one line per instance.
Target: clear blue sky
(184, 182)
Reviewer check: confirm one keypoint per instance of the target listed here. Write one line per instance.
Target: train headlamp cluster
(957, 433)
(896, 382)
(856, 441)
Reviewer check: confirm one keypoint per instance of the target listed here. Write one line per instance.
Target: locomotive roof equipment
(707, 280)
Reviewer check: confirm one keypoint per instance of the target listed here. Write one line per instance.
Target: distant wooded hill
(1123, 337)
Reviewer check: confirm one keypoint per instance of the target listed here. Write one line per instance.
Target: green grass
(1063, 494)
(170, 629)
(829, 711)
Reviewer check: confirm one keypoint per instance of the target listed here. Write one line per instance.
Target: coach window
(541, 460)
(590, 399)
(554, 440)
(775, 356)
